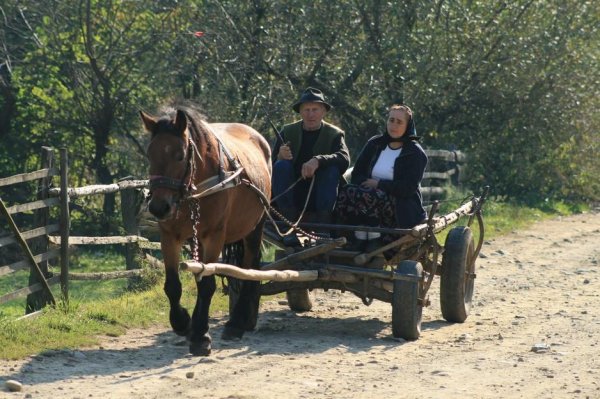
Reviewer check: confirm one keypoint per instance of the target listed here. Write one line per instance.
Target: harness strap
(164, 181)
(215, 184)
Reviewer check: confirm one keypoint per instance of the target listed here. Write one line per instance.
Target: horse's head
(171, 162)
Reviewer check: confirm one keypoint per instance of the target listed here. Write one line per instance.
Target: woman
(385, 186)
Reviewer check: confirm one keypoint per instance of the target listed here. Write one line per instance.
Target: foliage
(515, 85)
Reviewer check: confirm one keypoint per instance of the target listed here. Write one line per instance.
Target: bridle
(185, 186)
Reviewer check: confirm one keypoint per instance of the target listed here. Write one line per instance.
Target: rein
(270, 209)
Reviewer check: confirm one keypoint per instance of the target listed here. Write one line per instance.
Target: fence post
(129, 210)
(39, 299)
(65, 224)
(460, 160)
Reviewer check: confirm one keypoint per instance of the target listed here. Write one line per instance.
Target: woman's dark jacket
(408, 173)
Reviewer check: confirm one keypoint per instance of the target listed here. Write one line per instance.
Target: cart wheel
(299, 300)
(406, 309)
(457, 275)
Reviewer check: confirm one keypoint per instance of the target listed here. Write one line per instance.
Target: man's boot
(358, 241)
(323, 217)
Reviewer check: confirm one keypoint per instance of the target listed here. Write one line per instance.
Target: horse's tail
(233, 253)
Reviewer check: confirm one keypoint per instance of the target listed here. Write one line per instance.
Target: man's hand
(309, 168)
(285, 152)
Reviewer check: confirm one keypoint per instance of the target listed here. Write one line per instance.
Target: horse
(203, 184)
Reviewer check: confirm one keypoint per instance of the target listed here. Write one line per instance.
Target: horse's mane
(192, 111)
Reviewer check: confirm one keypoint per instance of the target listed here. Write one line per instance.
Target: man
(311, 149)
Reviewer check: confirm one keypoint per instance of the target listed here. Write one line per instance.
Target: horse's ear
(149, 121)
(181, 122)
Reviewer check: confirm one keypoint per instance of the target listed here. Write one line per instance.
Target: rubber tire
(457, 281)
(407, 312)
(299, 300)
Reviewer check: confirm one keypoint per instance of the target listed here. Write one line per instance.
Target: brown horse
(204, 179)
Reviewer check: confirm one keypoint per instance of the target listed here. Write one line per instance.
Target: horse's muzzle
(161, 208)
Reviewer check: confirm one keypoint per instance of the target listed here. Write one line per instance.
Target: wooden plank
(28, 290)
(24, 264)
(439, 175)
(76, 192)
(441, 154)
(25, 248)
(450, 156)
(308, 253)
(84, 240)
(32, 315)
(149, 245)
(154, 262)
(105, 275)
(40, 231)
(432, 191)
(38, 174)
(30, 206)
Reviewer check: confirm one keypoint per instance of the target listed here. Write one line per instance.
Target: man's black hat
(311, 95)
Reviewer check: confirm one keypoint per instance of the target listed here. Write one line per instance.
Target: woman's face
(397, 123)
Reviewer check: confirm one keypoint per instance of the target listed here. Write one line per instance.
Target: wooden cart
(402, 277)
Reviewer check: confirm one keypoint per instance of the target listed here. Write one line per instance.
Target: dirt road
(533, 332)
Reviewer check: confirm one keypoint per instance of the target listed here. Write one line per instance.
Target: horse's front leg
(178, 315)
(200, 339)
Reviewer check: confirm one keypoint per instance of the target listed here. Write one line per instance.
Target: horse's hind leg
(244, 313)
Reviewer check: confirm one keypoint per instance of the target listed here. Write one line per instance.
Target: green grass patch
(82, 322)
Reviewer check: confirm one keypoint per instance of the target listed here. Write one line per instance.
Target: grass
(106, 308)
(88, 316)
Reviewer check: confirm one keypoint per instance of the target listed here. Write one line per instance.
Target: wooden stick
(65, 224)
(105, 275)
(99, 188)
(305, 254)
(208, 269)
(418, 231)
(83, 240)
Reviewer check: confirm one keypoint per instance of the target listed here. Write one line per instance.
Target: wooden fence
(50, 240)
(443, 169)
(34, 243)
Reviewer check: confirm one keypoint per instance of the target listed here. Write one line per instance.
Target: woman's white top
(384, 167)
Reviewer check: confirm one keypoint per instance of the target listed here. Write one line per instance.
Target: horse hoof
(183, 333)
(181, 322)
(232, 333)
(200, 348)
